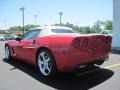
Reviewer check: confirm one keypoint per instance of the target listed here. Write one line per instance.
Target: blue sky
(80, 12)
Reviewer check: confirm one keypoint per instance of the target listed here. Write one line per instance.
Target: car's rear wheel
(7, 53)
(46, 63)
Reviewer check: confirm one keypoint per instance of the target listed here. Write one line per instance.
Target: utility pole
(22, 9)
(35, 18)
(60, 13)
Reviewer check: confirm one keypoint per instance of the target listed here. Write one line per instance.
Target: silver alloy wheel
(7, 53)
(44, 63)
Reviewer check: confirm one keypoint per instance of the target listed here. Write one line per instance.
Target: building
(116, 25)
(4, 32)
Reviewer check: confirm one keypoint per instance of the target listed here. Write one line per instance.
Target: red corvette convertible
(56, 48)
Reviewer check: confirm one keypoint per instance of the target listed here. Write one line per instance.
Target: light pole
(60, 13)
(22, 9)
(35, 18)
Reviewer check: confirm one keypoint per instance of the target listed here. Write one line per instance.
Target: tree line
(96, 28)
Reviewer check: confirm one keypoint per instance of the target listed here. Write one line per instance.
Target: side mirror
(18, 39)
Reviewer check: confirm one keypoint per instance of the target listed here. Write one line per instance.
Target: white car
(2, 38)
(106, 32)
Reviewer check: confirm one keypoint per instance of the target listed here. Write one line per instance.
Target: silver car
(2, 38)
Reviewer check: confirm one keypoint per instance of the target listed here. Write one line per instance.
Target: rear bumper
(68, 62)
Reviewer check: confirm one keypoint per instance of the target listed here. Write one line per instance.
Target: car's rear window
(62, 31)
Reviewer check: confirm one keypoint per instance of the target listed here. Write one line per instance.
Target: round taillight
(85, 42)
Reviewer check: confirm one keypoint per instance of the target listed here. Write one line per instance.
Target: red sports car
(57, 48)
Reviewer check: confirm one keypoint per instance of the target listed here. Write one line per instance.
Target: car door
(26, 47)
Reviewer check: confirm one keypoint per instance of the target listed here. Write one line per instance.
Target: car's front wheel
(46, 63)
(7, 53)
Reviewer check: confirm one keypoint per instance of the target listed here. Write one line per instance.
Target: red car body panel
(67, 53)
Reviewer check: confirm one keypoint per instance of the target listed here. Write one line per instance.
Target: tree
(19, 29)
(69, 25)
(16, 28)
(30, 26)
(108, 25)
(78, 29)
(56, 24)
(97, 27)
(86, 30)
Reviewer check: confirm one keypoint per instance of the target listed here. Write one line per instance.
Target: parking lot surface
(16, 75)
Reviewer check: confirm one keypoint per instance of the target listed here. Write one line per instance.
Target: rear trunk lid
(99, 44)
(92, 44)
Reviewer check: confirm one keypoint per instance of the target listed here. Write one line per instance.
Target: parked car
(2, 38)
(10, 36)
(56, 49)
(106, 32)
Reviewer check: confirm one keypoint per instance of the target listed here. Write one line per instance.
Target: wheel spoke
(47, 60)
(43, 69)
(43, 56)
(40, 62)
(48, 68)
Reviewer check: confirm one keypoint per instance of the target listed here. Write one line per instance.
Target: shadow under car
(65, 81)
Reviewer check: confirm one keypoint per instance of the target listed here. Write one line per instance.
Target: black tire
(7, 53)
(46, 63)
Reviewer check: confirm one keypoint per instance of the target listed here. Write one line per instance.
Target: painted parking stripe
(112, 66)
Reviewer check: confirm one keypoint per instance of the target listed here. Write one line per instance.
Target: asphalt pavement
(17, 75)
